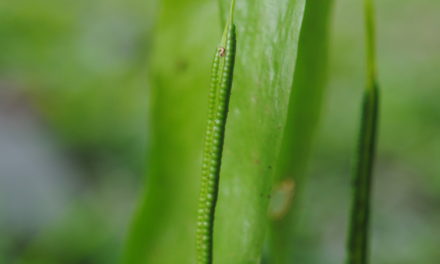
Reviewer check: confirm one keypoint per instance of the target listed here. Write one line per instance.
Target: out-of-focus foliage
(81, 65)
(77, 68)
(84, 62)
(406, 197)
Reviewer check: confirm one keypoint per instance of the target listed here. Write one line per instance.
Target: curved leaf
(267, 41)
(304, 112)
(267, 44)
(164, 226)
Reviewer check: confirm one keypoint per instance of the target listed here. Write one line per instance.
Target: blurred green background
(74, 129)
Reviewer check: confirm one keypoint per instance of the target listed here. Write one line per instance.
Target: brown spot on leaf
(281, 199)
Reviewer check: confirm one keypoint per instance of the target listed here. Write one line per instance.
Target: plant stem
(362, 184)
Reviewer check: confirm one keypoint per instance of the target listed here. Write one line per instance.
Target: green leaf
(267, 41)
(185, 38)
(304, 111)
(267, 44)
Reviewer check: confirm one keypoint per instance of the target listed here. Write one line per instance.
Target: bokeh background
(74, 130)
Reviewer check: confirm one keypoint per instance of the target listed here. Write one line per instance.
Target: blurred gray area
(36, 177)
(45, 197)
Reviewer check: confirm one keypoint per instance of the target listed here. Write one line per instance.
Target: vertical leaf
(267, 41)
(163, 230)
(267, 44)
(304, 111)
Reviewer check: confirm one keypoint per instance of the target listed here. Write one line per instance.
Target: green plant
(267, 75)
(363, 171)
(304, 110)
(221, 82)
(79, 77)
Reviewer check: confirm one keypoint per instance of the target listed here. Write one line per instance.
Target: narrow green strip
(358, 238)
(370, 42)
(221, 81)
